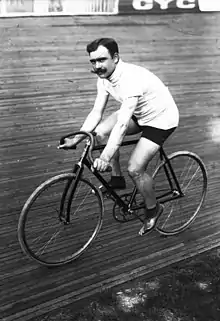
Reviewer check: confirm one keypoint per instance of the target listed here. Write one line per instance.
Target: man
(146, 106)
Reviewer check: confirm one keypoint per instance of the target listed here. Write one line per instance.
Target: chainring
(121, 215)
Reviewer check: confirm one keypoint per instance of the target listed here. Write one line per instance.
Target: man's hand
(101, 165)
(68, 143)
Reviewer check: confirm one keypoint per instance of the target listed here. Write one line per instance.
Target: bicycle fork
(68, 193)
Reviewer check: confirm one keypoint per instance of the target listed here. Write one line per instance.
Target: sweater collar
(115, 76)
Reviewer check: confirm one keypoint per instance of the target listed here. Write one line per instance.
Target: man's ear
(116, 57)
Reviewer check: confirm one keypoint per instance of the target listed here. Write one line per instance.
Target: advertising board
(11, 8)
(167, 6)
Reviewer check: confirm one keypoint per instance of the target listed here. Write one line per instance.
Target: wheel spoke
(191, 179)
(44, 247)
(82, 202)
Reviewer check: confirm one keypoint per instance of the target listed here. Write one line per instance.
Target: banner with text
(13, 8)
(167, 6)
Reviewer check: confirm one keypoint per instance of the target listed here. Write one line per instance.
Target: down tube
(114, 195)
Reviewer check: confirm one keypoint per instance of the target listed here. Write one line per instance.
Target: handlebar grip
(62, 141)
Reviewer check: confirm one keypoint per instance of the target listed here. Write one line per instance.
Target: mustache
(97, 71)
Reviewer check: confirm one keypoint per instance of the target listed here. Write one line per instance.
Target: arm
(92, 120)
(118, 132)
(96, 113)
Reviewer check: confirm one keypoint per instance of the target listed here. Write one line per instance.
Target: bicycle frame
(84, 161)
(168, 167)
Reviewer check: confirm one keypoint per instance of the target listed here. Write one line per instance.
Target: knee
(134, 171)
(100, 136)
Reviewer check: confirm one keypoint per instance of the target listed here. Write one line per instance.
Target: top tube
(90, 136)
(125, 143)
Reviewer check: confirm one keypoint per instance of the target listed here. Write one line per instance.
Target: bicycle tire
(171, 222)
(47, 239)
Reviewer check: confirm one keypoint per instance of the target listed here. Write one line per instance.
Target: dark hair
(108, 43)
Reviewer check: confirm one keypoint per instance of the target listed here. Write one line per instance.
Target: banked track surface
(46, 90)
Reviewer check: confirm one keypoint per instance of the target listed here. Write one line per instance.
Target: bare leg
(143, 153)
(144, 183)
(104, 129)
(115, 164)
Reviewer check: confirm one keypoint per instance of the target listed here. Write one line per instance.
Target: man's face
(102, 62)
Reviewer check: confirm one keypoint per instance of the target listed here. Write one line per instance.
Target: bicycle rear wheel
(180, 211)
(47, 238)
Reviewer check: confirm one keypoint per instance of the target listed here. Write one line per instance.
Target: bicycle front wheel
(44, 235)
(180, 210)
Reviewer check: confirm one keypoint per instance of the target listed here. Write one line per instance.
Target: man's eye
(101, 60)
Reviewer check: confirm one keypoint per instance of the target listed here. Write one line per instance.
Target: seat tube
(167, 161)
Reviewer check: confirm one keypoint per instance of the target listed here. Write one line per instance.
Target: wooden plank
(46, 90)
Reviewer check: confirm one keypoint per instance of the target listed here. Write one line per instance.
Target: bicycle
(77, 205)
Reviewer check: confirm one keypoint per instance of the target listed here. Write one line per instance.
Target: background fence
(57, 7)
(10, 8)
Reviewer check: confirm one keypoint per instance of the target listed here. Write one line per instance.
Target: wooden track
(46, 89)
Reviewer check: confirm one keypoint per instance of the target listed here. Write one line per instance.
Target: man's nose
(97, 64)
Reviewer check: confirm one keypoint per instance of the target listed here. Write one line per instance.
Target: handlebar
(86, 134)
(91, 143)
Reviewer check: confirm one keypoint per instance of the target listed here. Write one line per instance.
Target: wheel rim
(191, 174)
(51, 241)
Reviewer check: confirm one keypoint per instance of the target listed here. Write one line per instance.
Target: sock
(151, 212)
(117, 180)
(117, 177)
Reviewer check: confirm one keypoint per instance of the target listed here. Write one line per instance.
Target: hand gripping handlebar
(90, 137)
(91, 142)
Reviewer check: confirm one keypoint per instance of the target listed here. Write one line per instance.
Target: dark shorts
(156, 135)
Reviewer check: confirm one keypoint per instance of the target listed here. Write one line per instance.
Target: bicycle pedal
(125, 217)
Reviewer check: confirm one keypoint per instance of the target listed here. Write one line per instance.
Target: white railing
(12, 8)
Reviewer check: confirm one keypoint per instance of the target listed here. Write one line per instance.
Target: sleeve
(101, 87)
